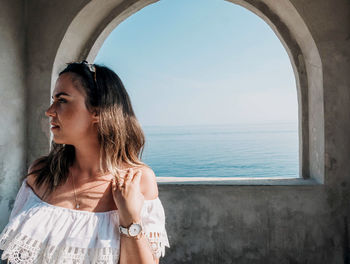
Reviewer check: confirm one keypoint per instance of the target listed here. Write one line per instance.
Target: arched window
(212, 86)
(284, 20)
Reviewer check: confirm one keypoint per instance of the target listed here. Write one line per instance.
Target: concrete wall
(12, 102)
(206, 223)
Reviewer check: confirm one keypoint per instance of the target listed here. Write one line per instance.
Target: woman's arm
(135, 251)
(129, 195)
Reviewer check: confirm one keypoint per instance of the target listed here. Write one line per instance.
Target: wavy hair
(119, 133)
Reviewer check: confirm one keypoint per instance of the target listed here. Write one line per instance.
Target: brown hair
(119, 133)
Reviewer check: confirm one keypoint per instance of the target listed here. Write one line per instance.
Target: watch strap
(125, 231)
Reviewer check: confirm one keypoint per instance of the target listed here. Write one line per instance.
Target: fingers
(117, 182)
(120, 183)
(129, 176)
(114, 185)
(137, 177)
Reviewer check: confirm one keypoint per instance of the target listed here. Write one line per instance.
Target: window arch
(282, 18)
(215, 89)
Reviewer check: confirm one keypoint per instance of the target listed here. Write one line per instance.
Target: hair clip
(91, 67)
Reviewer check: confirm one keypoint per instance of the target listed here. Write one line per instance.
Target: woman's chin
(58, 141)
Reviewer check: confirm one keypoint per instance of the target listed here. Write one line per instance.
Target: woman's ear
(95, 116)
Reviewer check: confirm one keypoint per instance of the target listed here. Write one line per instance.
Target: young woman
(91, 199)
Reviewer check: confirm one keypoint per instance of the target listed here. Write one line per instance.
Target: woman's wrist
(125, 222)
(137, 237)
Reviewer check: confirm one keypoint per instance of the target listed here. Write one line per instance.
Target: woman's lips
(54, 125)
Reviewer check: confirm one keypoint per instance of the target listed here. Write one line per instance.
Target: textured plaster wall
(12, 103)
(47, 23)
(205, 223)
(251, 224)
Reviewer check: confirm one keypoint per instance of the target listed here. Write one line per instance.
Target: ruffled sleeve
(21, 199)
(153, 222)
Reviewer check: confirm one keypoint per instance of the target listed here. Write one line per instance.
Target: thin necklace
(77, 204)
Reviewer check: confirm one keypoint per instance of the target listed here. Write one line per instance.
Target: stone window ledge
(281, 181)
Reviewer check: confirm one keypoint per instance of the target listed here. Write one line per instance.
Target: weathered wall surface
(251, 224)
(47, 23)
(12, 102)
(206, 224)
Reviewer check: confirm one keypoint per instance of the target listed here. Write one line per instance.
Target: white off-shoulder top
(39, 232)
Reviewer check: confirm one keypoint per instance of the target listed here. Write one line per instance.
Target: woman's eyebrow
(59, 94)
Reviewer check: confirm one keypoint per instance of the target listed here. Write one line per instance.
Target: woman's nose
(50, 111)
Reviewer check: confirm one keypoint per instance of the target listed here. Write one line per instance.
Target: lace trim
(157, 243)
(20, 249)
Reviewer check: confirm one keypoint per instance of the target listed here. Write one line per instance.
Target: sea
(234, 150)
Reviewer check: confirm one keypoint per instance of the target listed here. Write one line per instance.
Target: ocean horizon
(230, 150)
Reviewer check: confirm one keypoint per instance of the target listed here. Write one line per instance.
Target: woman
(91, 199)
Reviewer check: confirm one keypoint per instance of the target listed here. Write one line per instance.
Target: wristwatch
(134, 230)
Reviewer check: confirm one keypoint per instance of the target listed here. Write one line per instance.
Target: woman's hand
(128, 197)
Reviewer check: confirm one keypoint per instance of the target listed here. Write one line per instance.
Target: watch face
(135, 229)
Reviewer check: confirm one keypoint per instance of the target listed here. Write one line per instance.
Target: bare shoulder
(148, 183)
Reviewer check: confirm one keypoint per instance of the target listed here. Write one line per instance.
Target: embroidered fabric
(23, 249)
(39, 232)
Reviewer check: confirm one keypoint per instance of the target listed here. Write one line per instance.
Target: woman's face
(71, 122)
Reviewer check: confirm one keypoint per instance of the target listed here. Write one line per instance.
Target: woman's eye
(60, 100)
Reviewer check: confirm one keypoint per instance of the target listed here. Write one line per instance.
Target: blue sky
(193, 62)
